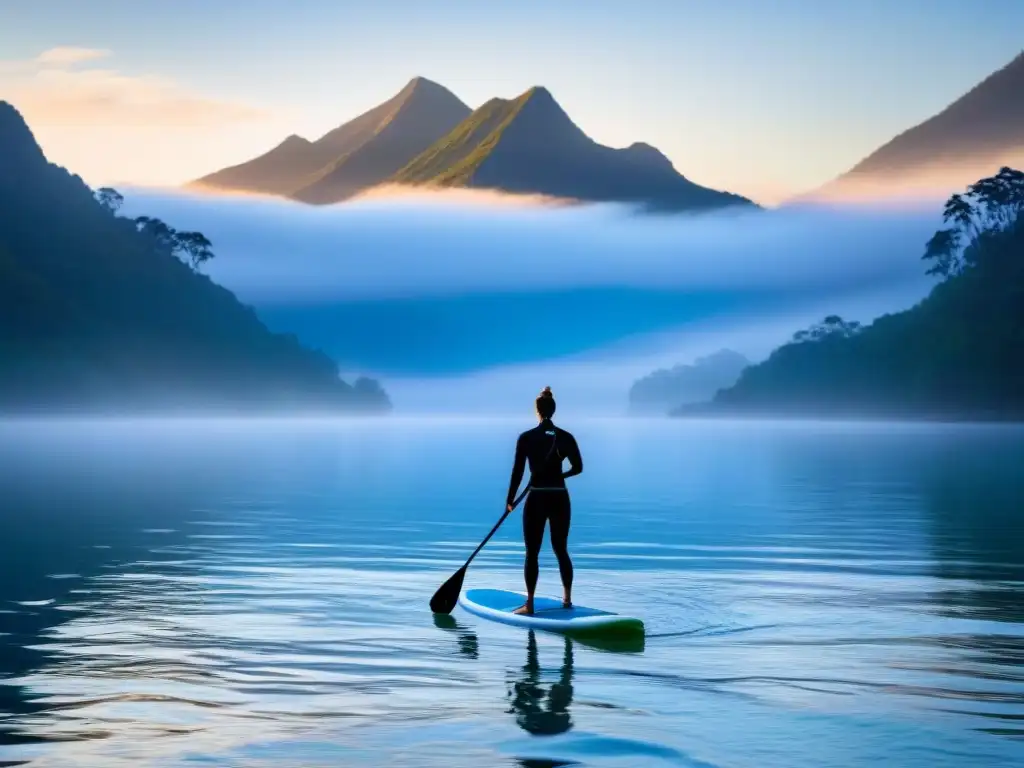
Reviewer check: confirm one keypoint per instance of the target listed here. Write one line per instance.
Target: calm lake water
(188, 593)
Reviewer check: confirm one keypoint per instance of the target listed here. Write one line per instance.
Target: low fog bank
(273, 251)
(472, 304)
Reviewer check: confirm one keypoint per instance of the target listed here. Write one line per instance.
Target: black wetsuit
(545, 447)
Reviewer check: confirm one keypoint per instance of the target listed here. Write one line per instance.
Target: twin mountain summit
(425, 136)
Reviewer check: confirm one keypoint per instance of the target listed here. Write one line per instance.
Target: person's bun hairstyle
(545, 403)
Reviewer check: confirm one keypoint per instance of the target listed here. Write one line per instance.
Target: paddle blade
(447, 595)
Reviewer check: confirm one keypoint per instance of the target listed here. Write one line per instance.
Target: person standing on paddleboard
(545, 447)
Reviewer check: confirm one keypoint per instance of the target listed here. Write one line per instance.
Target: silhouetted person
(526, 694)
(545, 447)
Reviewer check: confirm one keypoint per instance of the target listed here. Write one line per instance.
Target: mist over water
(472, 302)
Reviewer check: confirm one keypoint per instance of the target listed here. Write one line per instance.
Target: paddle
(447, 595)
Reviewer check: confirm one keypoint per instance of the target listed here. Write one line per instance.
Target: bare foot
(524, 610)
(567, 604)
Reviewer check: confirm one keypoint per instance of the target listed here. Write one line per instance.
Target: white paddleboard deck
(548, 614)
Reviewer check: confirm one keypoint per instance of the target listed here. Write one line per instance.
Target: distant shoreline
(56, 411)
(708, 412)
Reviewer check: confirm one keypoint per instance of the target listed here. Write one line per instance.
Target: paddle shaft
(497, 525)
(447, 594)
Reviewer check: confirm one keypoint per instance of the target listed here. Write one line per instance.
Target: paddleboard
(549, 615)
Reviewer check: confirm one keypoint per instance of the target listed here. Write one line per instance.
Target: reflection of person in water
(527, 695)
(468, 644)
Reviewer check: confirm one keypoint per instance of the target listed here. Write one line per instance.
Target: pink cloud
(67, 56)
(49, 90)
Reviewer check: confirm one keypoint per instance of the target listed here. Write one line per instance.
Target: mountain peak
(644, 155)
(295, 139)
(357, 154)
(18, 147)
(643, 146)
(537, 113)
(420, 84)
(368, 150)
(538, 103)
(978, 132)
(540, 94)
(530, 145)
